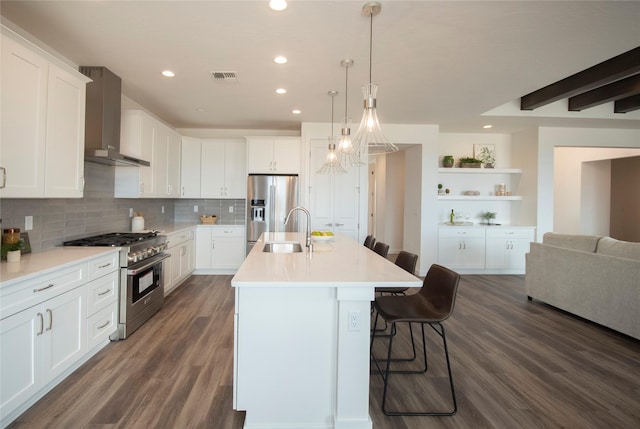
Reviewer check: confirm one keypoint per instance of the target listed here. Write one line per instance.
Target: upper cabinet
(213, 168)
(142, 136)
(273, 155)
(42, 145)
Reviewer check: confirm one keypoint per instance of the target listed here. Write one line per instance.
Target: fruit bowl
(321, 236)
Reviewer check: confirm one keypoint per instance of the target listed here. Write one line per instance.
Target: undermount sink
(282, 247)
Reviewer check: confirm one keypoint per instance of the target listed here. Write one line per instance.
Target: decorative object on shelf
(346, 146)
(446, 191)
(501, 190)
(452, 217)
(369, 134)
(471, 193)
(447, 161)
(486, 153)
(209, 220)
(11, 243)
(26, 244)
(489, 217)
(469, 162)
(440, 189)
(332, 163)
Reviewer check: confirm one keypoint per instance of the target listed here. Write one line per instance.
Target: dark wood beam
(616, 68)
(614, 91)
(628, 104)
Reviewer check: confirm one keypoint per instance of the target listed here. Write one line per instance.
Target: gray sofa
(597, 278)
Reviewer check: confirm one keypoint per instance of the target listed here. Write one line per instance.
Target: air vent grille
(221, 76)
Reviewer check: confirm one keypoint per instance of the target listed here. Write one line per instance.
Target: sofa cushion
(583, 243)
(621, 249)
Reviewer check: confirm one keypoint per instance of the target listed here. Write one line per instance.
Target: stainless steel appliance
(269, 199)
(102, 119)
(141, 286)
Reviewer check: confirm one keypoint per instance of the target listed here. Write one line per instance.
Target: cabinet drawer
(101, 325)
(454, 232)
(509, 233)
(103, 265)
(229, 231)
(22, 295)
(101, 292)
(179, 238)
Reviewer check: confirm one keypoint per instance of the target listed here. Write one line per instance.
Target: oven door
(145, 277)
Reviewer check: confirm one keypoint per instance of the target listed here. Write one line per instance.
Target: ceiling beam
(614, 91)
(618, 67)
(628, 104)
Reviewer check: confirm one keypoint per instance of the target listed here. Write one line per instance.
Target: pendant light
(332, 163)
(346, 146)
(369, 134)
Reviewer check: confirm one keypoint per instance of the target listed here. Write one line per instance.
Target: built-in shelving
(480, 170)
(479, 198)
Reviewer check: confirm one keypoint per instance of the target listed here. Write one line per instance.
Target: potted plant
(489, 217)
(470, 162)
(440, 189)
(12, 251)
(487, 156)
(447, 161)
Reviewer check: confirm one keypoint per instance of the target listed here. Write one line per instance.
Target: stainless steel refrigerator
(269, 199)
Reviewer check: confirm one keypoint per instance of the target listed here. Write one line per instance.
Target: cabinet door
(449, 252)
(212, 169)
(260, 158)
(20, 357)
(497, 253)
(227, 253)
(518, 249)
(173, 164)
(235, 169)
(286, 158)
(64, 170)
(190, 171)
(64, 332)
(204, 244)
(24, 78)
(167, 270)
(472, 252)
(159, 163)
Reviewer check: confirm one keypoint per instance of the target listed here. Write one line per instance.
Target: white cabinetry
(42, 145)
(220, 249)
(179, 266)
(506, 249)
(142, 136)
(461, 247)
(223, 173)
(273, 155)
(46, 328)
(190, 171)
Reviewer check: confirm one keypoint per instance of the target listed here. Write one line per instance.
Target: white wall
(412, 192)
(595, 198)
(524, 155)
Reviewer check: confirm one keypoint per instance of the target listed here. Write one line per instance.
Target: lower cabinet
(484, 250)
(220, 249)
(179, 266)
(49, 325)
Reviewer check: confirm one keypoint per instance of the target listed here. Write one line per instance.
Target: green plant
(489, 215)
(448, 158)
(439, 185)
(487, 156)
(19, 245)
(469, 160)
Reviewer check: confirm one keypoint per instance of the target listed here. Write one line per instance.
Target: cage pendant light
(369, 134)
(332, 162)
(346, 147)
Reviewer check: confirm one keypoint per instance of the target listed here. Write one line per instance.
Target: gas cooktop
(114, 239)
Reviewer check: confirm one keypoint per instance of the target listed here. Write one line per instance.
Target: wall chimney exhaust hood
(102, 119)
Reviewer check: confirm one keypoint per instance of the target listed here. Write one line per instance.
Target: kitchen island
(301, 357)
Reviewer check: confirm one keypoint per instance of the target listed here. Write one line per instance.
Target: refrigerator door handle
(272, 208)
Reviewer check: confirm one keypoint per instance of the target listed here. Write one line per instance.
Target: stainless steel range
(141, 285)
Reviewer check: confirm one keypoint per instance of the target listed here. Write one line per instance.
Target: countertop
(341, 262)
(36, 264)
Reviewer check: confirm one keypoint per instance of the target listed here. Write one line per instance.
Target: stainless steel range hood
(102, 119)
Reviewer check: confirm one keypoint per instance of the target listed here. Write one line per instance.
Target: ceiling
(437, 62)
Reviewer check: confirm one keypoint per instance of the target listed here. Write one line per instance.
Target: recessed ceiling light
(281, 91)
(278, 5)
(201, 109)
(280, 60)
(296, 111)
(168, 73)
(486, 127)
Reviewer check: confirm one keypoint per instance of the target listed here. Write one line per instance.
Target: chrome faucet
(309, 245)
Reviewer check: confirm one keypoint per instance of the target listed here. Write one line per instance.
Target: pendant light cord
(370, 43)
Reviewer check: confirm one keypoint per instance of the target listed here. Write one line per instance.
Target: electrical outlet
(355, 320)
(230, 209)
(162, 209)
(195, 209)
(130, 212)
(28, 223)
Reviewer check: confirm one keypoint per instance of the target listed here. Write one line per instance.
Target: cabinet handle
(4, 177)
(105, 325)
(183, 191)
(105, 292)
(104, 266)
(41, 323)
(459, 245)
(49, 286)
(464, 245)
(50, 319)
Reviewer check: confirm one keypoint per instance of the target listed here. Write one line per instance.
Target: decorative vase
(447, 162)
(13, 256)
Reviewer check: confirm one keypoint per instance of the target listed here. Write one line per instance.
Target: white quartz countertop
(35, 264)
(341, 262)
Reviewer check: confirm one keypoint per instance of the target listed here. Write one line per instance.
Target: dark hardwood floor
(516, 364)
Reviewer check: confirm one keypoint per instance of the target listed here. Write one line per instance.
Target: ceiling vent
(224, 76)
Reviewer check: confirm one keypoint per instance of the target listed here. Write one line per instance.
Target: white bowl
(322, 238)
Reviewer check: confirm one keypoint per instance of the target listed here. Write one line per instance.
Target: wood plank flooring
(516, 364)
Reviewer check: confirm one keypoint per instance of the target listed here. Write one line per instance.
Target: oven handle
(148, 264)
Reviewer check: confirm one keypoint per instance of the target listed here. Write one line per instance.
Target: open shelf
(479, 198)
(457, 170)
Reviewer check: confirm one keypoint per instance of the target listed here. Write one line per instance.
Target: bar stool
(369, 241)
(432, 305)
(381, 249)
(406, 261)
